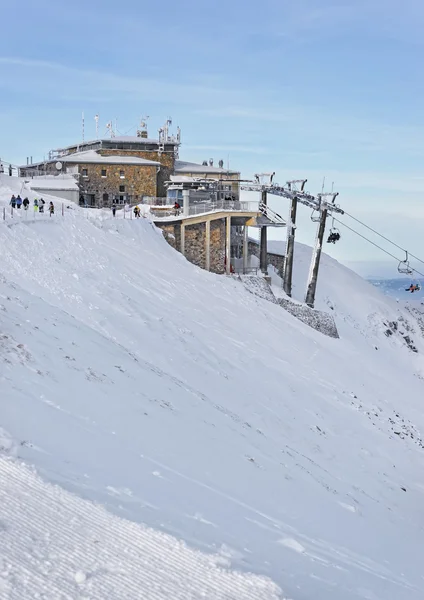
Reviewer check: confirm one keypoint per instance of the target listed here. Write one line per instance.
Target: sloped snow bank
(55, 545)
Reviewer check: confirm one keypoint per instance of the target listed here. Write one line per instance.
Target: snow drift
(176, 399)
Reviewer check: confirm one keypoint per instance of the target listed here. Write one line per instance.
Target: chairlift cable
(377, 246)
(383, 236)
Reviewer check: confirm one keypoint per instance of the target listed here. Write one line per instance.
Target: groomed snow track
(76, 549)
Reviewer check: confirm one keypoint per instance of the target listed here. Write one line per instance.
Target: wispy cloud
(84, 82)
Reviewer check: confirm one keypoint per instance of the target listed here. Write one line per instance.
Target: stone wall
(276, 260)
(195, 242)
(321, 321)
(166, 159)
(139, 181)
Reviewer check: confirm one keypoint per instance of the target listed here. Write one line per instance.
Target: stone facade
(195, 242)
(276, 260)
(138, 181)
(166, 159)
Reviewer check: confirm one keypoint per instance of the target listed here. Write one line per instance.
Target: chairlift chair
(404, 267)
(315, 218)
(334, 235)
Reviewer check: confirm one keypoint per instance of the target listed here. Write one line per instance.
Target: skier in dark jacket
(18, 201)
(25, 203)
(51, 208)
(41, 205)
(13, 201)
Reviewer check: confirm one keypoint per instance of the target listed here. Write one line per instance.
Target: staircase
(271, 215)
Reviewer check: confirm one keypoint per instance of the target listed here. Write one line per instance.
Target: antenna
(323, 185)
(83, 127)
(96, 118)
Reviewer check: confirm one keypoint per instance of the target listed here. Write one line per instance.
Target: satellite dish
(58, 166)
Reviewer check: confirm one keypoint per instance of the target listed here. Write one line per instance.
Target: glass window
(122, 188)
(103, 172)
(122, 174)
(85, 172)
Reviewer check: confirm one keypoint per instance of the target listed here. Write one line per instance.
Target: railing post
(208, 245)
(245, 248)
(4, 213)
(63, 209)
(228, 246)
(186, 202)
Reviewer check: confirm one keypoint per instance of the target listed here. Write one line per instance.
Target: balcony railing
(200, 208)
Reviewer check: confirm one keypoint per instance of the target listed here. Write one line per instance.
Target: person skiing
(25, 202)
(13, 201)
(18, 201)
(51, 208)
(177, 207)
(41, 204)
(35, 205)
(113, 209)
(137, 211)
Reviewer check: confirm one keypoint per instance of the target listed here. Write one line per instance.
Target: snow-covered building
(114, 170)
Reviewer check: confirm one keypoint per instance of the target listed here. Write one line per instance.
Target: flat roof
(91, 156)
(182, 166)
(122, 139)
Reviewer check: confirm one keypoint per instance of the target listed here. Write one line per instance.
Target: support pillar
(316, 257)
(186, 202)
(263, 257)
(288, 262)
(182, 236)
(245, 248)
(208, 245)
(228, 245)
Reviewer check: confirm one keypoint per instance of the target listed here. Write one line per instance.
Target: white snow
(179, 401)
(52, 182)
(75, 549)
(91, 156)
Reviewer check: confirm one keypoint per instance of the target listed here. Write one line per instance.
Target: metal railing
(200, 208)
(22, 215)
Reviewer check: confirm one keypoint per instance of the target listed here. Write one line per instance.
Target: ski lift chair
(316, 216)
(334, 235)
(404, 267)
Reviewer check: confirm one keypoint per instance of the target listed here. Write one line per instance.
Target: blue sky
(308, 88)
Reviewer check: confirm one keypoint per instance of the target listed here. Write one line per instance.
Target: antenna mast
(96, 118)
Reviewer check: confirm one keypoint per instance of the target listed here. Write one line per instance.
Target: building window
(122, 188)
(85, 172)
(121, 199)
(122, 174)
(103, 172)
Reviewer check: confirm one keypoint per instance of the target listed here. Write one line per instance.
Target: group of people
(17, 202)
(333, 237)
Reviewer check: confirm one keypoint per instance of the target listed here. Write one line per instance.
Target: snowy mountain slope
(43, 555)
(177, 399)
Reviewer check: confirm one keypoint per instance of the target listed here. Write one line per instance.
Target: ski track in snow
(75, 549)
(178, 400)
